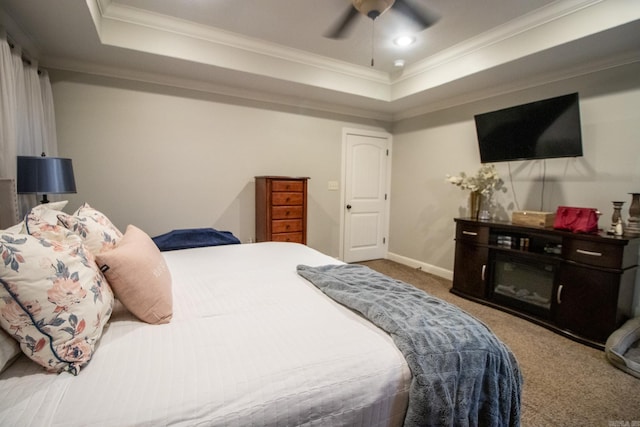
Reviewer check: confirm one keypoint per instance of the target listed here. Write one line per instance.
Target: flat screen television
(538, 130)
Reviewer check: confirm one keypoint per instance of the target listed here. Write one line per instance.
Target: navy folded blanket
(194, 238)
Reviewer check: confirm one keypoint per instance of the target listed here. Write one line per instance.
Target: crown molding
(390, 97)
(226, 93)
(521, 85)
(521, 25)
(542, 31)
(113, 11)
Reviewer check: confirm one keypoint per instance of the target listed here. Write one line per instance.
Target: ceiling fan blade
(340, 29)
(422, 17)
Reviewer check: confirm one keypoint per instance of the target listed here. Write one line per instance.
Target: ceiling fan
(374, 8)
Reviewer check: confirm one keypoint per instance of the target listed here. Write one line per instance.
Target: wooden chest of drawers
(281, 209)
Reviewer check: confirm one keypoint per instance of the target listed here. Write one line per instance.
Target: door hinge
(385, 197)
(384, 240)
(387, 152)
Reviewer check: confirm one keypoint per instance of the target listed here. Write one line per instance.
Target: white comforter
(250, 343)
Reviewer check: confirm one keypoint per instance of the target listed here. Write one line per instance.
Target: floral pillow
(95, 229)
(9, 350)
(53, 299)
(48, 212)
(43, 213)
(39, 226)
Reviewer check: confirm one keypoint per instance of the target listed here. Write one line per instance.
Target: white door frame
(343, 169)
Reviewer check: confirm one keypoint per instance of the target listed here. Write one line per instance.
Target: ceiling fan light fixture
(372, 8)
(404, 41)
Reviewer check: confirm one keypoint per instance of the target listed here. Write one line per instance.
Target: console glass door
(524, 283)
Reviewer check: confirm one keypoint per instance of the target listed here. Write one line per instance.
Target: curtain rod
(25, 59)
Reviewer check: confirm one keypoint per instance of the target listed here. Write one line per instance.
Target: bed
(248, 341)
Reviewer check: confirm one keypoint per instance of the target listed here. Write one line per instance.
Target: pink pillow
(139, 276)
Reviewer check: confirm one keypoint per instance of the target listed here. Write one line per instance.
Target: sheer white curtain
(50, 139)
(27, 119)
(8, 110)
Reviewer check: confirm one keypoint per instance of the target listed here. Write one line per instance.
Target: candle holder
(617, 216)
(633, 225)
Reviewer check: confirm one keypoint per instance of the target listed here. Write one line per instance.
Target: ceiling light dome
(372, 8)
(404, 40)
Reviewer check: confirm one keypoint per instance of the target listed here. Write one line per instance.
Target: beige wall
(429, 147)
(164, 158)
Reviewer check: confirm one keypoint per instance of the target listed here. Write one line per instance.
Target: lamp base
(44, 199)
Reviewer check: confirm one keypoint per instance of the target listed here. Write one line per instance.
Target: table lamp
(45, 175)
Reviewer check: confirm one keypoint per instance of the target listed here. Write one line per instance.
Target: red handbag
(576, 220)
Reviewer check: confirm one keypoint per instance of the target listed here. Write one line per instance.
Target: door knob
(348, 206)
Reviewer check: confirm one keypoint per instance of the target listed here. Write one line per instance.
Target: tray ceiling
(275, 51)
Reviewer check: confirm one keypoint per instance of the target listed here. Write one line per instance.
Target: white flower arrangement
(485, 181)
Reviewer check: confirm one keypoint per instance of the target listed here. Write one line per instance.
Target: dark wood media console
(578, 285)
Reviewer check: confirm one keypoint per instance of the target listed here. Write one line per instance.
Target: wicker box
(533, 218)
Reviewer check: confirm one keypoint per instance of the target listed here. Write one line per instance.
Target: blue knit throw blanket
(462, 374)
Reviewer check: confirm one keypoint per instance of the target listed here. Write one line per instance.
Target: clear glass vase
(484, 213)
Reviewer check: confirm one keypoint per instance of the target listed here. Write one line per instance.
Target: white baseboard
(432, 269)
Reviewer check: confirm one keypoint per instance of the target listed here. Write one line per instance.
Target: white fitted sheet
(250, 343)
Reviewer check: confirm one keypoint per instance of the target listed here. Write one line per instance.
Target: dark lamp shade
(45, 175)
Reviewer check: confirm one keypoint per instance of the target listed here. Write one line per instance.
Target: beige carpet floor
(565, 383)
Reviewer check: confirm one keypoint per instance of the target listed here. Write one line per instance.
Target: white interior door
(366, 194)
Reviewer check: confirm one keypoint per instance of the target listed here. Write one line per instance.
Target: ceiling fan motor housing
(372, 8)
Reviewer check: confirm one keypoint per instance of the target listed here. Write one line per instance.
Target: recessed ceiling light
(399, 63)
(404, 40)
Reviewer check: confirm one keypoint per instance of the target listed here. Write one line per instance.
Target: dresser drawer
(286, 225)
(287, 237)
(593, 253)
(287, 186)
(286, 212)
(287, 198)
(472, 233)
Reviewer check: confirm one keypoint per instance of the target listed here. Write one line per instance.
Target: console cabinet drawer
(472, 233)
(592, 253)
